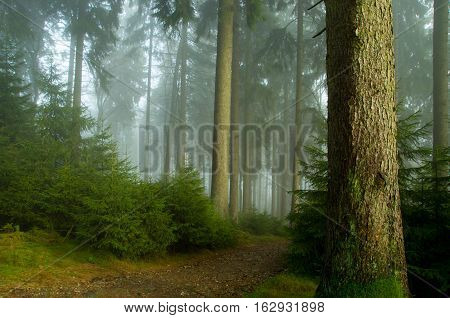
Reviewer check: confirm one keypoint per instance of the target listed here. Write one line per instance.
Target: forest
(224, 148)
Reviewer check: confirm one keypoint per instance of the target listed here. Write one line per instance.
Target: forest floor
(233, 272)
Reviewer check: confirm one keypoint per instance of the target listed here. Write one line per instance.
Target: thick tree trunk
(365, 252)
(148, 105)
(440, 88)
(222, 107)
(235, 81)
(181, 153)
(298, 101)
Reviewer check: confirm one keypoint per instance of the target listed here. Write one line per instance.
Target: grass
(286, 286)
(45, 258)
(24, 255)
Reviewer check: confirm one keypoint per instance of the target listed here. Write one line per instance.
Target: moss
(286, 286)
(381, 288)
(355, 187)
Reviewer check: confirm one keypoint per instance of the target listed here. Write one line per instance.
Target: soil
(226, 273)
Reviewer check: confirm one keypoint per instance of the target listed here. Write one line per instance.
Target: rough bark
(298, 101)
(235, 81)
(148, 104)
(440, 88)
(365, 251)
(222, 107)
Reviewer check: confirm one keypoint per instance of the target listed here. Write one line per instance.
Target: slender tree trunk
(440, 89)
(76, 108)
(181, 153)
(296, 180)
(34, 74)
(222, 107)
(254, 185)
(365, 252)
(274, 181)
(73, 43)
(235, 81)
(148, 105)
(170, 120)
(259, 192)
(246, 149)
(266, 194)
(284, 177)
(101, 100)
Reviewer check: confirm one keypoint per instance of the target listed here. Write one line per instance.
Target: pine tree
(235, 83)
(222, 107)
(296, 180)
(365, 251)
(440, 89)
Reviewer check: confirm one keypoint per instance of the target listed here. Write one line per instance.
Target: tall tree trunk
(284, 177)
(76, 108)
(181, 153)
(235, 81)
(222, 107)
(266, 194)
(440, 88)
(259, 192)
(298, 100)
(365, 251)
(274, 181)
(247, 146)
(34, 74)
(73, 43)
(169, 119)
(148, 105)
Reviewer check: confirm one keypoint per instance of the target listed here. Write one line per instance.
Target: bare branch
(318, 34)
(310, 8)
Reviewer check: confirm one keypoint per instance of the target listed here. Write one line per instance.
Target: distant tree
(296, 180)
(440, 88)
(96, 22)
(235, 88)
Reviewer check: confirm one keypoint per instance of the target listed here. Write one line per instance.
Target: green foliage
(381, 288)
(197, 224)
(258, 223)
(253, 11)
(426, 217)
(425, 211)
(171, 12)
(308, 231)
(99, 201)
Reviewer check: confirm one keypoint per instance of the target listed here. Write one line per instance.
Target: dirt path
(226, 273)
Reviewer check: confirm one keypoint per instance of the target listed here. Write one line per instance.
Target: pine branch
(310, 8)
(320, 33)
